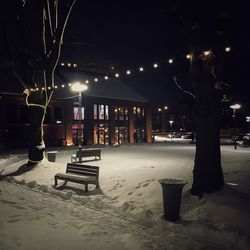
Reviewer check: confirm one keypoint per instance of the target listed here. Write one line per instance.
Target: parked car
(246, 139)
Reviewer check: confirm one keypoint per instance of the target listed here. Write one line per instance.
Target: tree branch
(184, 91)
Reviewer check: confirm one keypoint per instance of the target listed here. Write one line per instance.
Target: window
(78, 113)
(58, 115)
(48, 118)
(11, 113)
(121, 113)
(24, 114)
(101, 112)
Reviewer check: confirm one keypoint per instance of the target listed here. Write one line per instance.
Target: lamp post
(79, 87)
(235, 107)
(171, 125)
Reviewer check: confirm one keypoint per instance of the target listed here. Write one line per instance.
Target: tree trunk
(207, 173)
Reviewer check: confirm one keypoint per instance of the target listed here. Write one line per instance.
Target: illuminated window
(101, 112)
(95, 112)
(78, 113)
(106, 112)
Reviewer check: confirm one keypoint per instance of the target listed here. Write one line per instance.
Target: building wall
(122, 122)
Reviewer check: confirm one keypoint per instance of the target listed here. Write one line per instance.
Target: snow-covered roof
(112, 88)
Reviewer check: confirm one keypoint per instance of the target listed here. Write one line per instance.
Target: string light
(96, 79)
(155, 65)
(62, 64)
(227, 49)
(106, 77)
(170, 61)
(207, 52)
(128, 72)
(69, 84)
(188, 56)
(69, 64)
(62, 85)
(141, 69)
(74, 65)
(56, 87)
(87, 81)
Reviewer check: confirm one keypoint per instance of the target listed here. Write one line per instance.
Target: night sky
(128, 34)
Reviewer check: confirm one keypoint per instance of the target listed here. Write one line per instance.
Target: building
(109, 112)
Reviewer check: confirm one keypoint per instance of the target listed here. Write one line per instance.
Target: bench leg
(86, 187)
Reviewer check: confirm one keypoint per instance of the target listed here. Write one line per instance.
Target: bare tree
(201, 26)
(33, 34)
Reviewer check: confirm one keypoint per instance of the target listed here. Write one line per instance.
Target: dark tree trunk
(207, 173)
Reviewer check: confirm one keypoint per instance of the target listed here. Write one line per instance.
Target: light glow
(117, 75)
(141, 69)
(96, 79)
(78, 87)
(128, 72)
(106, 77)
(235, 106)
(156, 65)
(227, 49)
(170, 60)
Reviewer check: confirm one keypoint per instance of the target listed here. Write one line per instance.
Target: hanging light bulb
(188, 56)
(227, 49)
(106, 77)
(156, 65)
(117, 75)
(96, 79)
(141, 69)
(128, 72)
(170, 61)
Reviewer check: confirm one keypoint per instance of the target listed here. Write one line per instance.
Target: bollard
(52, 156)
(172, 192)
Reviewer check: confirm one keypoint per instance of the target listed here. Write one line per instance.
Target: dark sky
(128, 34)
(132, 33)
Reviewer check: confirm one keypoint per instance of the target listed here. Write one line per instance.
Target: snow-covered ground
(127, 211)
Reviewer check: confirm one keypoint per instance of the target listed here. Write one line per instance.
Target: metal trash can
(51, 155)
(172, 192)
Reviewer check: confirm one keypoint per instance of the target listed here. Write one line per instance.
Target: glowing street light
(79, 87)
(235, 107)
(171, 127)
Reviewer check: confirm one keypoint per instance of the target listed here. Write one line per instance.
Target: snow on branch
(184, 91)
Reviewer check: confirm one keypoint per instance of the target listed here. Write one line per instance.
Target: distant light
(49, 87)
(227, 49)
(156, 65)
(159, 109)
(207, 52)
(116, 110)
(248, 118)
(106, 77)
(55, 87)
(165, 107)
(170, 60)
(62, 85)
(96, 79)
(141, 69)
(235, 106)
(87, 81)
(58, 122)
(117, 75)
(188, 56)
(62, 64)
(74, 65)
(128, 72)
(69, 84)
(31, 89)
(79, 87)
(37, 89)
(171, 122)
(69, 64)
(43, 88)
(112, 67)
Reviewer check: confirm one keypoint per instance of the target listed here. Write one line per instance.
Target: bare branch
(184, 91)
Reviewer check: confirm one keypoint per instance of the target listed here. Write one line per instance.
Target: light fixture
(78, 87)
(62, 64)
(106, 77)
(155, 65)
(207, 52)
(235, 106)
(96, 79)
(116, 75)
(227, 49)
(170, 60)
(69, 64)
(141, 69)
(188, 56)
(128, 72)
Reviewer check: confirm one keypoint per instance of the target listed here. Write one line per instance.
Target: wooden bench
(79, 173)
(81, 153)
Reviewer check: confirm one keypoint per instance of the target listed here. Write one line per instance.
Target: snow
(127, 211)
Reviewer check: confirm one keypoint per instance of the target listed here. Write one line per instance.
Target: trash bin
(51, 155)
(172, 192)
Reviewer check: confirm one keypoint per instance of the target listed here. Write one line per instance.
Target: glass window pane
(95, 111)
(78, 113)
(101, 112)
(106, 112)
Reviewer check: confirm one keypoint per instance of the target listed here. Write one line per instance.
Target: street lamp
(171, 125)
(235, 107)
(79, 87)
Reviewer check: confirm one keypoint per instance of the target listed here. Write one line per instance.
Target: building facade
(96, 120)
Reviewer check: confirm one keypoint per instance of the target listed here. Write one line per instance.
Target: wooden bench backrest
(81, 169)
(87, 152)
